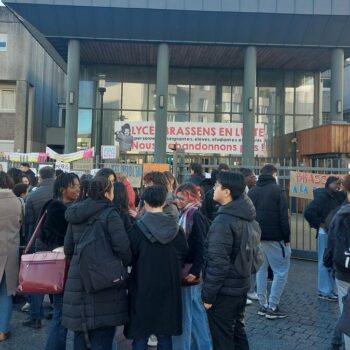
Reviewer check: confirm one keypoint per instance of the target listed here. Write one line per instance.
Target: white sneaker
(253, 296)
(152, 341)
(249, 302)
(25, 307)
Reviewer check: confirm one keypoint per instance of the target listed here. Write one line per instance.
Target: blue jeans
(36, 311)
(5, 307)
(195, 334)
(164, 343)
(252, 283)
(100, 339)
(325, 278)
(277, 255)
(57, 334)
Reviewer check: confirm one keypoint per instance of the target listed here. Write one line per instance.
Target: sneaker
(253, 296)
(262, 311)
(333, 298)
(152, 341)
(36, 324)
(248, 302)
(25, 307)
(272, 314)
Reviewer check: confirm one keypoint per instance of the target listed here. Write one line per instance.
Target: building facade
(32, 85)
(251, 62)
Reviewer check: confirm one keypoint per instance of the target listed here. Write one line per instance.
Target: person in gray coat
(10, 224)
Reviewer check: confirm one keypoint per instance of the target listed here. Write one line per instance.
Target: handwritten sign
(132, 171)
(302, 184)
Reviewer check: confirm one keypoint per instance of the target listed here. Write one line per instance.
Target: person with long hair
(10, 224)
(94, 315)
(121, 202)
(195, 226)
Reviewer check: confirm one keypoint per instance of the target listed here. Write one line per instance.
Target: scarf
(186, 218)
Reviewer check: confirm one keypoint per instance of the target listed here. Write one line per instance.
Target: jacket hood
(242, 207)
(79, 212)
(159, 227)
(6, 193)
(266, 180)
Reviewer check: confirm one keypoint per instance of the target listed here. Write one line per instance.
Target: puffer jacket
(271, 206)
(220, 275)
(108, 307)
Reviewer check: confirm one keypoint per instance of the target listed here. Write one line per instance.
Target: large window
(284, 99)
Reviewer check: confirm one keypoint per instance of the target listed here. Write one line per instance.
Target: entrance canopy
(288, 34)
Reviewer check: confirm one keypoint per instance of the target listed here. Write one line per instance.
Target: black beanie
(330, 180)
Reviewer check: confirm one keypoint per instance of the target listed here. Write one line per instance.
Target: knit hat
(330, 180)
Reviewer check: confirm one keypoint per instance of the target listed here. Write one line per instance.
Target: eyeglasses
(180, 199)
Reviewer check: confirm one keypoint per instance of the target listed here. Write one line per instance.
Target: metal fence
(303, 238)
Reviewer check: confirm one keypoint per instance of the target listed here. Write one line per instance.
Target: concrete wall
(37, 77)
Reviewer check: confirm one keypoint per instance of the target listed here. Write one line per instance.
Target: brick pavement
(309, 324)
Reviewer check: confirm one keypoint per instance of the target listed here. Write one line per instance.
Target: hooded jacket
(339, 230)
(323, 204)
(158, 249)
(220, 275)
(271, 206)
(106, 308)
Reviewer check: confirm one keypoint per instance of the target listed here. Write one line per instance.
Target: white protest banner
(132, 171)
(109, 152)
(62, 166)
(204, 138)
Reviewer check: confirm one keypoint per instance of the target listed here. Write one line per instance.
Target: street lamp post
(99, 124)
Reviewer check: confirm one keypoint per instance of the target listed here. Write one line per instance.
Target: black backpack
(99, 266)
(247, 254)
(341, 251)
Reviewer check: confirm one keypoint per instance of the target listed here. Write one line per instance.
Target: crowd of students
(193, 252)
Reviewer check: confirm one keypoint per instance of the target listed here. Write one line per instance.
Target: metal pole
(99, 127)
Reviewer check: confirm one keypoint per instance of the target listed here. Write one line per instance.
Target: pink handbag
(42, 272)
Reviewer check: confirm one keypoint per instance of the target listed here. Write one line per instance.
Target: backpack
(341, 251)
(248, 255)
(99, 266)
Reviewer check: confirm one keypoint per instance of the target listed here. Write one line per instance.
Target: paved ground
(309, 325)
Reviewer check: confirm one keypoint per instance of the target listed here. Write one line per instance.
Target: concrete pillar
(318, 93)
(337, 85)
(249, 97)
(21, 123)
(161, 104)
(72, 98)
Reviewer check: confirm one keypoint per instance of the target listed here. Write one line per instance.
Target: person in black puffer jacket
(226, 283)
(108, 308)
(271, 206)
(338, 245)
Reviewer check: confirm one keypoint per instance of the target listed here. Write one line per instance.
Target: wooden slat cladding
(324, 139)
